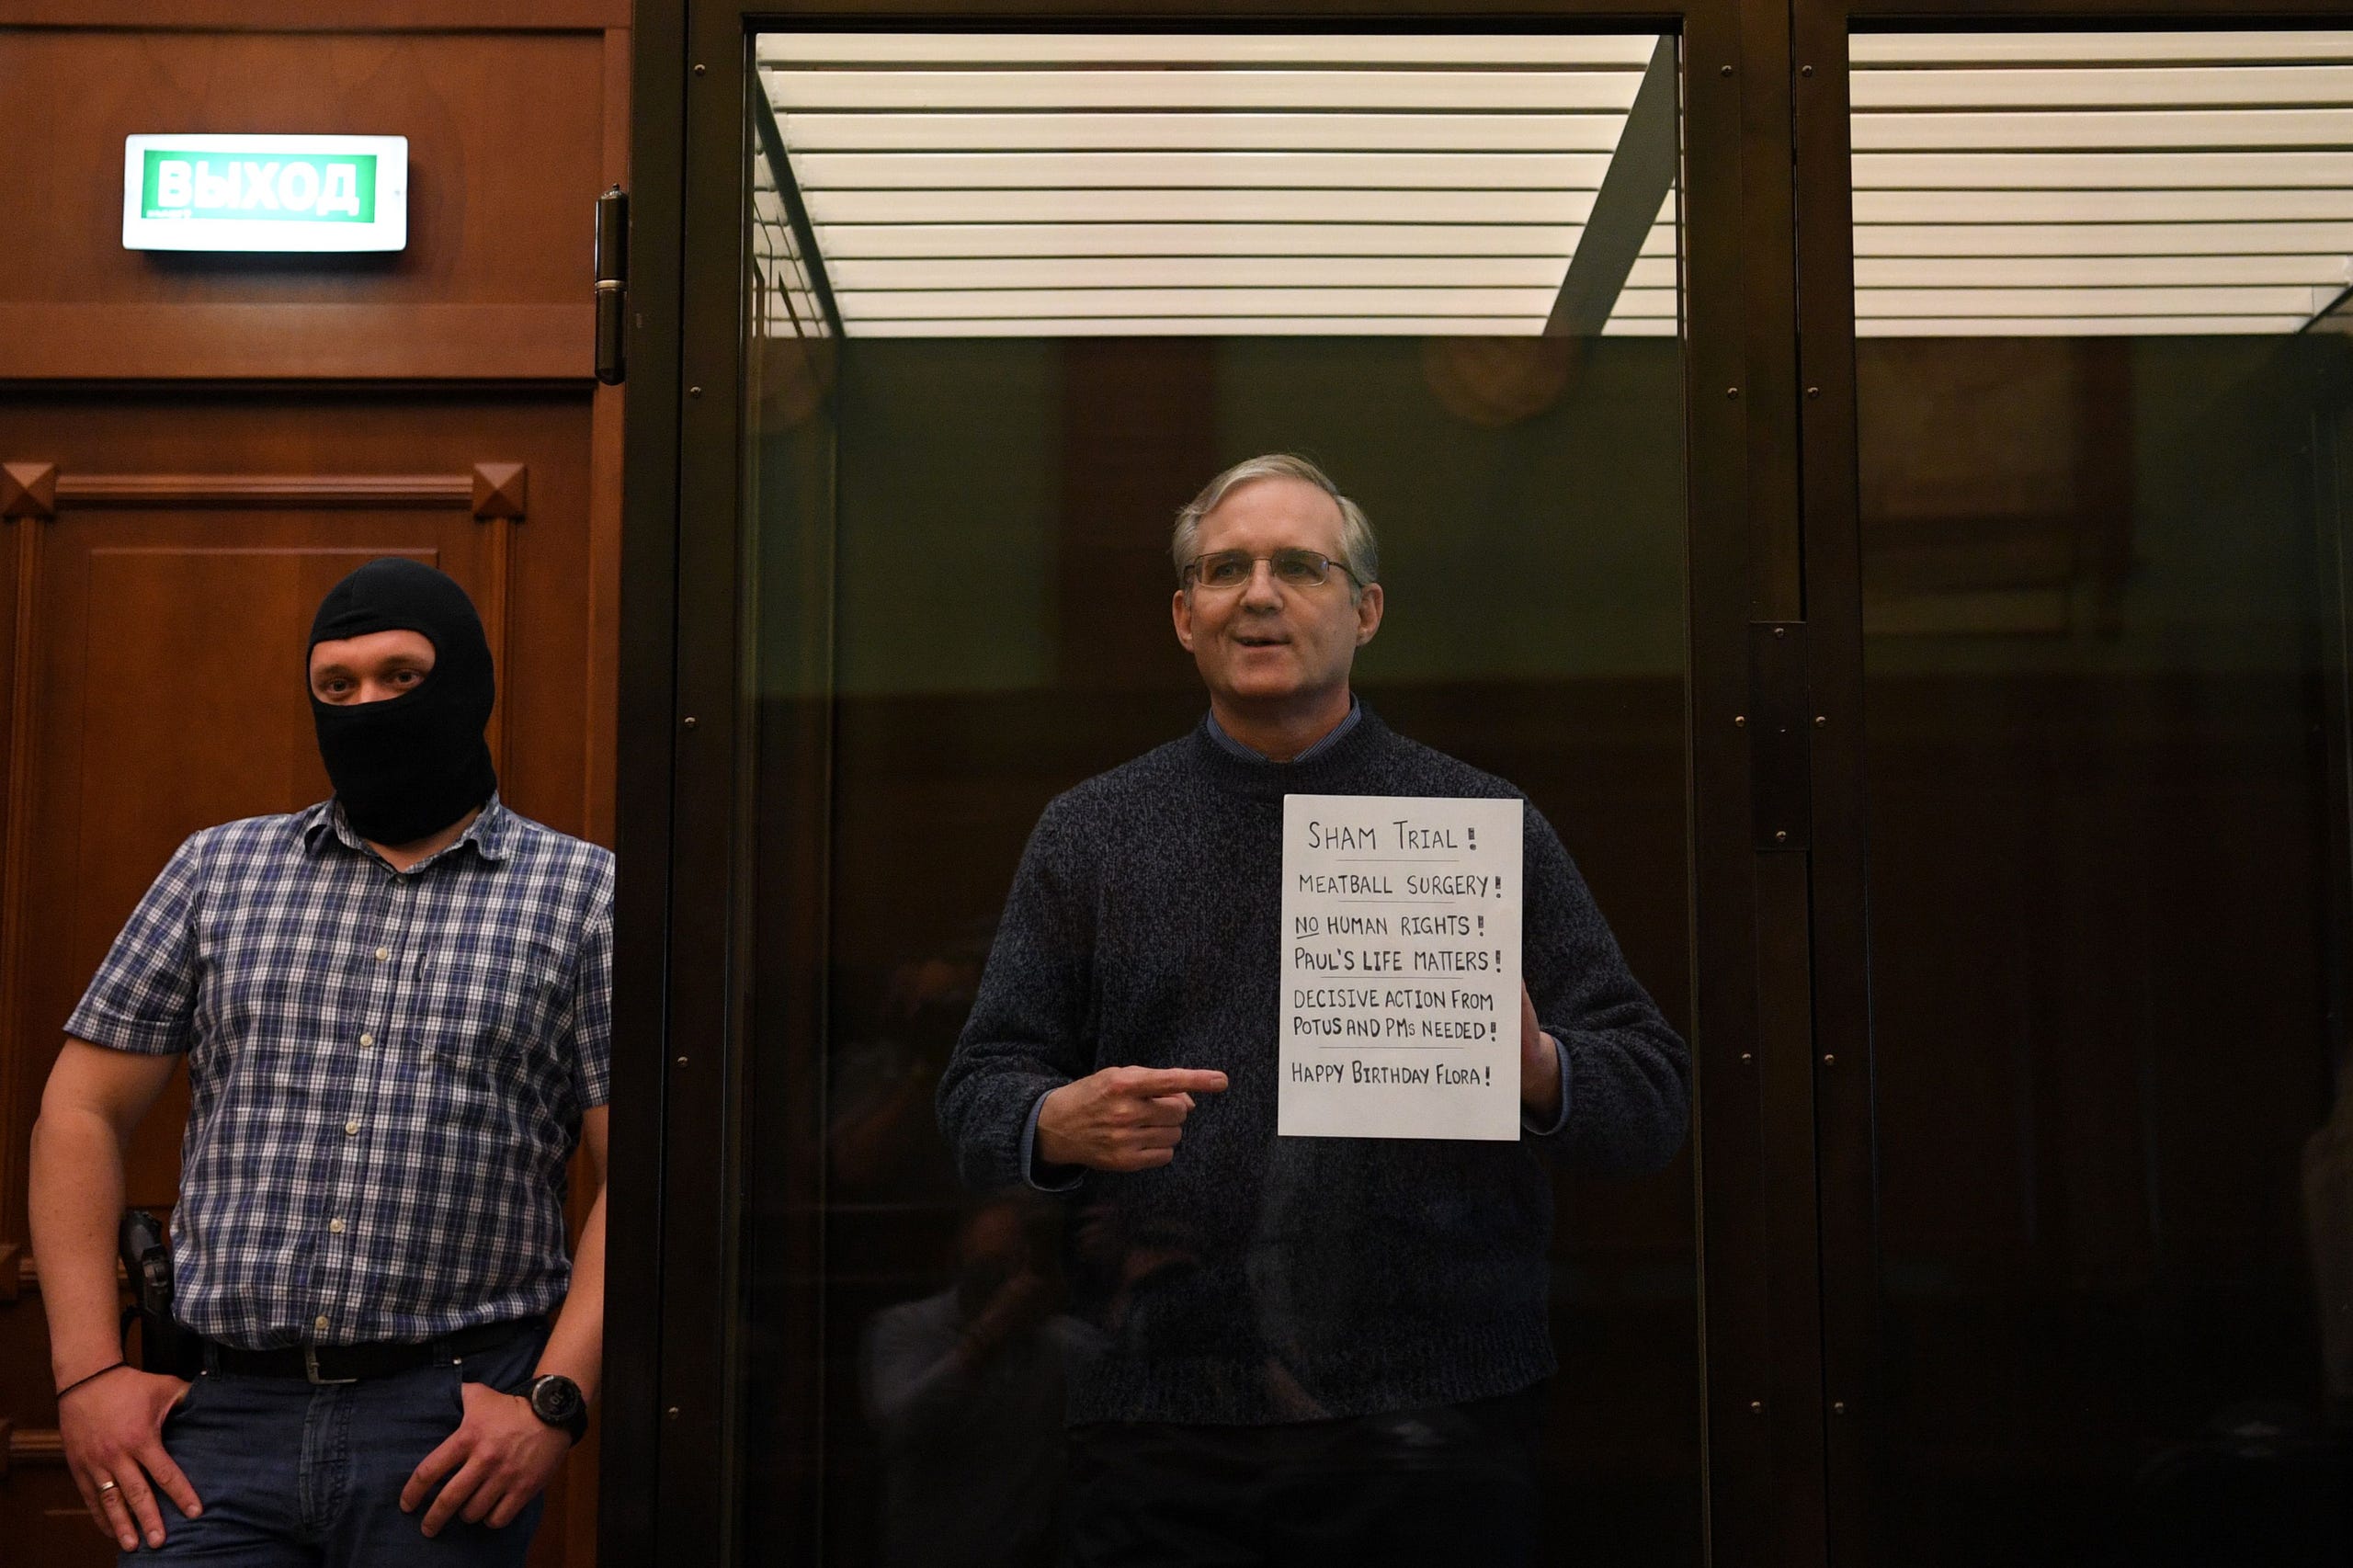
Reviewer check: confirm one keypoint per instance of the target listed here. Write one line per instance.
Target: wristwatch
(555, 1399)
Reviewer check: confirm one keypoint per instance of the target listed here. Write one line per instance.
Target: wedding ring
(106, 1486)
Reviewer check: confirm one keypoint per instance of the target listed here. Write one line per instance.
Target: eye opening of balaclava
(408, 767)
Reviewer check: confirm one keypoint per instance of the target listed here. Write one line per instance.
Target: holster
(163, 1344)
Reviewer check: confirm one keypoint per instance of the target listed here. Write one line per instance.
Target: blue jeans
(296, 1476)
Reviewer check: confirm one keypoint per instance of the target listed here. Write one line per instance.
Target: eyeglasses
(1222, 570)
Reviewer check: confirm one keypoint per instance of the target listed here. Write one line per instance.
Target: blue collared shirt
(1332, 737)
(1251, 754)
(387, 1069)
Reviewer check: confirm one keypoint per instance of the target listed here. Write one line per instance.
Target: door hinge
(1781, 750)
(612, 286)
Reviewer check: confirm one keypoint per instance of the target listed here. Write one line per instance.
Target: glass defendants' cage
(1779, 425)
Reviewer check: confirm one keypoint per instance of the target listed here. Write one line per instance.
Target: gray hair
(1361, 551)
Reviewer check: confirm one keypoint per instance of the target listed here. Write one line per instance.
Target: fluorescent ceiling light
(2102, 184)
(1141, 129)
(1290, 172)
(2108, 182)
(2187, 46)
(1396, 208)
(1205, 184)
(1091, 238)
(1273, 89)
(1626, 50)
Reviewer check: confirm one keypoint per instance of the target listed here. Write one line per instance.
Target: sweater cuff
(1526, 1121)
(1040, 1177)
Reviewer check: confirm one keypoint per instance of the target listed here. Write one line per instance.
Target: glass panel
(1014, 297)
(2103, 399)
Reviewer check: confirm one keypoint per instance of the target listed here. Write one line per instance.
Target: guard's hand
(1122, 1119)
(1540, 1064)
(113, 1430)
(503, 1456)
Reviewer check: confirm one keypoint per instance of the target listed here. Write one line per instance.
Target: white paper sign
(1401, 968)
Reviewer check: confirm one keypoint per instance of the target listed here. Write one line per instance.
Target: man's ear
(1368, 604)
(1180, 610)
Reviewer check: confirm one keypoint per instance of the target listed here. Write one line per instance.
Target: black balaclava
(408, 767)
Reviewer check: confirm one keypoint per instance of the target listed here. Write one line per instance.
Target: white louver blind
(1078, 184)
(2044, 184)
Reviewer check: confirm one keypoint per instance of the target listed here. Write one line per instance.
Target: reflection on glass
(971, 437)
(966, 1391)
(2103, 403)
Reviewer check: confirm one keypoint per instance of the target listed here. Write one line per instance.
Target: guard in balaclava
(410, 765)
(396, 1007)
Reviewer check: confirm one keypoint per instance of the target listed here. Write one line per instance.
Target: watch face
(555, 1399)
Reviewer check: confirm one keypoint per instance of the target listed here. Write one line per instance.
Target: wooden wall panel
(508, 147)
(379, 15)
(216, 342)
(1136, 412)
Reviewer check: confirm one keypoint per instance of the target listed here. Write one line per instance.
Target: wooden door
(159, 565)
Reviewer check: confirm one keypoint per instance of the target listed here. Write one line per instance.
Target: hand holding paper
(1539, 1063)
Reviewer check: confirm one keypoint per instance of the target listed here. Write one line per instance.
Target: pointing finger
(1158, 1081)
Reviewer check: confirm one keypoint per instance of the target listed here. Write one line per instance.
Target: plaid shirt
(387, 1070)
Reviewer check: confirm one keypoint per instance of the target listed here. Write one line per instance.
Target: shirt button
(351, 1127)
(335, 1226)
(320, 1323)
(366, 1041)
(383, 954)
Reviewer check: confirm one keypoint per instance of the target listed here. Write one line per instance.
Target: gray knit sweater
(1256, 1279)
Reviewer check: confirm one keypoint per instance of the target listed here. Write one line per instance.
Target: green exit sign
(264, 193)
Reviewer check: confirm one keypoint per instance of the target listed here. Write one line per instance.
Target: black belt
(350, 1363)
